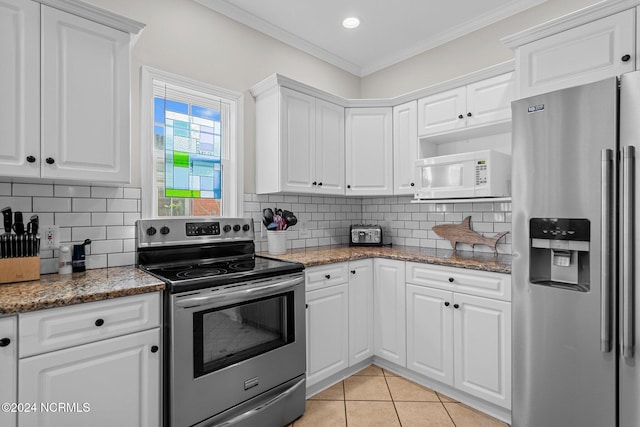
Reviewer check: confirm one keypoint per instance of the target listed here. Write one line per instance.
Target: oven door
(230, 345)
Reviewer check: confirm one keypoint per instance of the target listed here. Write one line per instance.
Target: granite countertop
(54, 290)
(461, 259)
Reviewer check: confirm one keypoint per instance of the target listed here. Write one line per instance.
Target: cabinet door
(581, 55)
(442, 112)
(389, 310)
(297, 141)
(329, 148)
(85, 99)
(369, 151)
(482, 348)
(405, 147)
(20, 88)
(489, 100)
(360, 310)
(327, 332)
(8, 368)
(430, 332)
(115, 382)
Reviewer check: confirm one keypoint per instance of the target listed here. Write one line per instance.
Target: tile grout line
(391, 395)
(344, 403)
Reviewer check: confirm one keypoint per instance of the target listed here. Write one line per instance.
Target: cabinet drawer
(474, 282)
(326, 275)
(56, 328)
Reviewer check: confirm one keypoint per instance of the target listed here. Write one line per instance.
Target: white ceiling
(390, 31)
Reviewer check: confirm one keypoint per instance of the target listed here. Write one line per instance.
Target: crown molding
(96, 14)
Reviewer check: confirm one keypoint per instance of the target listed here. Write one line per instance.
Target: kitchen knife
(18, 224)
(6, 219)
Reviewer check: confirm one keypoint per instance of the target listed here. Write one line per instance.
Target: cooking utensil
(268, 215)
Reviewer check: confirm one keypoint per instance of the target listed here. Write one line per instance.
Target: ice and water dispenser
(559, 252)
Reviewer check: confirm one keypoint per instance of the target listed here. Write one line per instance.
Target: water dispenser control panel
(560, 252)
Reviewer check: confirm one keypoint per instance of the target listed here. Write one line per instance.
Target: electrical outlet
(304, 232)
(49, 237)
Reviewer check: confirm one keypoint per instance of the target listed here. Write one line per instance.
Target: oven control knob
(236, 228)
(226, 228)
(151, 231)
(164, 230)
(246, 227)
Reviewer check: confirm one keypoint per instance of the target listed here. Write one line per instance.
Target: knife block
(19, 269)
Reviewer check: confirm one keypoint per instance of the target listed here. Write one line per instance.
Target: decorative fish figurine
(462, 233)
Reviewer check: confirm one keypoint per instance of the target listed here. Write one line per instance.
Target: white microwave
(485, 173)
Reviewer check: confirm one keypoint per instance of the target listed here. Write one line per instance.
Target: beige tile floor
(377, 397)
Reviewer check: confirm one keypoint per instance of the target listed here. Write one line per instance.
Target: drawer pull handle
(5, 342)
(99, 322)
(450, 279)
(328, 276)
(456, 305)
(154, 349)
(447, 303)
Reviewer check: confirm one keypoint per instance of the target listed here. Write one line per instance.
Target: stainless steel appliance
(235, 324)
(365, 235)
(483, 173)
(574, 237)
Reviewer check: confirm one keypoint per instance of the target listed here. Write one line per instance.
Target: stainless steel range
(234, 324)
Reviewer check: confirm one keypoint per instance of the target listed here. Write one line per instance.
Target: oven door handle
(256, 411)
(205, 300)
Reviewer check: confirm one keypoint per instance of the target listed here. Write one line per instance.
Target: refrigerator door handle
(607, 251)
(628, 205)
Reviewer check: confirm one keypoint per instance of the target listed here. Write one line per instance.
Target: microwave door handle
(206, 300)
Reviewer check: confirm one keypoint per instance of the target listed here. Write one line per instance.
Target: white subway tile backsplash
(130, 218)
(51, 204)
(123, 232)
(79, 234)
(110, 218)
(45, 190)
(22, 204)
(5, 188)
(88, 205)
(71, 191)
(71, 219)
(106, 246)
(120, 259)
(122, 205)
(107, 192)
(131, 193)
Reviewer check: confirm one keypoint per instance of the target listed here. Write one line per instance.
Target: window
(191, 148)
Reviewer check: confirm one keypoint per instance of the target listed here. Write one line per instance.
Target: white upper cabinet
(20, 88)
(478, 104)
(583, 54)
(85, 99)
(369, 151)
(405, 147)
(299, 144)
(67, 100)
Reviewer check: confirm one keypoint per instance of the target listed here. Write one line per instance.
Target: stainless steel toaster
(365, 235)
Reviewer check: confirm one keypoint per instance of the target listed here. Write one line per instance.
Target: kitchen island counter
(55, 290)
(339, 253)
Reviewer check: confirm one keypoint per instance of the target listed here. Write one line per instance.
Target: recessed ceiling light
(351, 22)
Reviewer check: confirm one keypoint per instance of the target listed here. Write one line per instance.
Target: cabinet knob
(447, 303)
(348, 186)
(450, 279)
(306, 306)
(154, 349)
(31, 159)
(99, 322)
(49, 160)
(469, 114)
(353, 272)
(413, 184)
(456, 305)
(5, 342)
(319, 184)
(461, 116)
(626, 58)
(314, 183)
(328, 276)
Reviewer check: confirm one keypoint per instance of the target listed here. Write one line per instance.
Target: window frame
(233, 161)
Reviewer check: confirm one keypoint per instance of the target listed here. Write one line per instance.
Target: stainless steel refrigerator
(574, 236)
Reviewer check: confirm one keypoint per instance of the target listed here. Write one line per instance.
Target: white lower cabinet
(106, 383)
(92, 364)
(360, 310)
(8, 368)
(327, 324)
(459, 339)
(389, 310)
